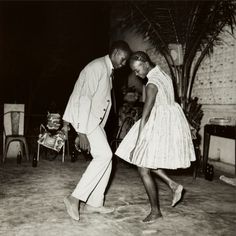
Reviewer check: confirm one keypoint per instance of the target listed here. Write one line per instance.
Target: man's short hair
(120, 44)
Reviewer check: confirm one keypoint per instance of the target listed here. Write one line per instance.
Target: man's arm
(78, 108)
(89, 86)
(83, 96)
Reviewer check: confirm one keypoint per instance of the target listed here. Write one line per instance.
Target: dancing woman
(161, 139)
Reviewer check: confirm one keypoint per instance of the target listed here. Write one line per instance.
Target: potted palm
(184, 32)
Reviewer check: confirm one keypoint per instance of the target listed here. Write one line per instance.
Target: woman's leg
(175, 187)
(162, 174)
(150, 187)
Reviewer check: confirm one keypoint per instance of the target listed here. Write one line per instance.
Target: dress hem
(159, 167)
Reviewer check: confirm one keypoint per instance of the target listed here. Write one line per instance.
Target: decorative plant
(194, 26)
(130, 94)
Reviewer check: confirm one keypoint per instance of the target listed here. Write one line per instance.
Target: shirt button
(100, 118)
(104, 109)
(108, 100)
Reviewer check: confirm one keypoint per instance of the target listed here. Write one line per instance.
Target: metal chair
(51, 136)
(14, 128)
(122, 131)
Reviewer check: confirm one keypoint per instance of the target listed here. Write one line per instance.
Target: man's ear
(146, 64)
(115, 52)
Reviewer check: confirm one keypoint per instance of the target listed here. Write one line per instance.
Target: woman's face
(139, 68)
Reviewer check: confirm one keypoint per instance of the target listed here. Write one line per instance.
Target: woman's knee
(143, 171)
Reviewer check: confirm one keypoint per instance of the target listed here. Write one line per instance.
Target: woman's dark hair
(141, 56)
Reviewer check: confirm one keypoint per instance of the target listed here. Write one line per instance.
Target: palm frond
(197, 25)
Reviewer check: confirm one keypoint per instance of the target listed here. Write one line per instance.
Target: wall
(215, 86)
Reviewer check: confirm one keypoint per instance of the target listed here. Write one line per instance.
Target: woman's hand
(81, 142)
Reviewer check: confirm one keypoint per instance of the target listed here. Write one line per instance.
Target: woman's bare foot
(152, 217)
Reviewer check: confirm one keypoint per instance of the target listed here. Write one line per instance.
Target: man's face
(119, 58)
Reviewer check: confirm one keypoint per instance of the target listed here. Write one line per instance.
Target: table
(224, 131)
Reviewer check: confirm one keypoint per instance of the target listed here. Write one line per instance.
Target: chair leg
(197, 162)
(63, 153)
(195, 169)
(26, 150)
(7, 143)
(3, 146)
(21, 146)
(38, 152)
(68, 148)
(24, 147)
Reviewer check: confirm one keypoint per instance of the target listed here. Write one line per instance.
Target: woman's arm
(151, 92)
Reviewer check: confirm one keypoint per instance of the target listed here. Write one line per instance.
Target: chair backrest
(13, 121)
(54, 121)
(125, 127)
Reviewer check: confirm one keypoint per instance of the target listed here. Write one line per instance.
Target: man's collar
(109, 63)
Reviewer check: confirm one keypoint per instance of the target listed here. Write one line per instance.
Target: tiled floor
(31, 203)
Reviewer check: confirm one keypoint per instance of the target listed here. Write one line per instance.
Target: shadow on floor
(31, 203)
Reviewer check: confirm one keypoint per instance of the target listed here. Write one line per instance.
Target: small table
(224, 131)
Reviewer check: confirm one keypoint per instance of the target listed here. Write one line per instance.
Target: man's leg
(92, 185)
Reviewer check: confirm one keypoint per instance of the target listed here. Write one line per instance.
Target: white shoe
(177, 195)
(70, 210)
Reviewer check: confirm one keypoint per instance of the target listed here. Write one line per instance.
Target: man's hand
(81, 142)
